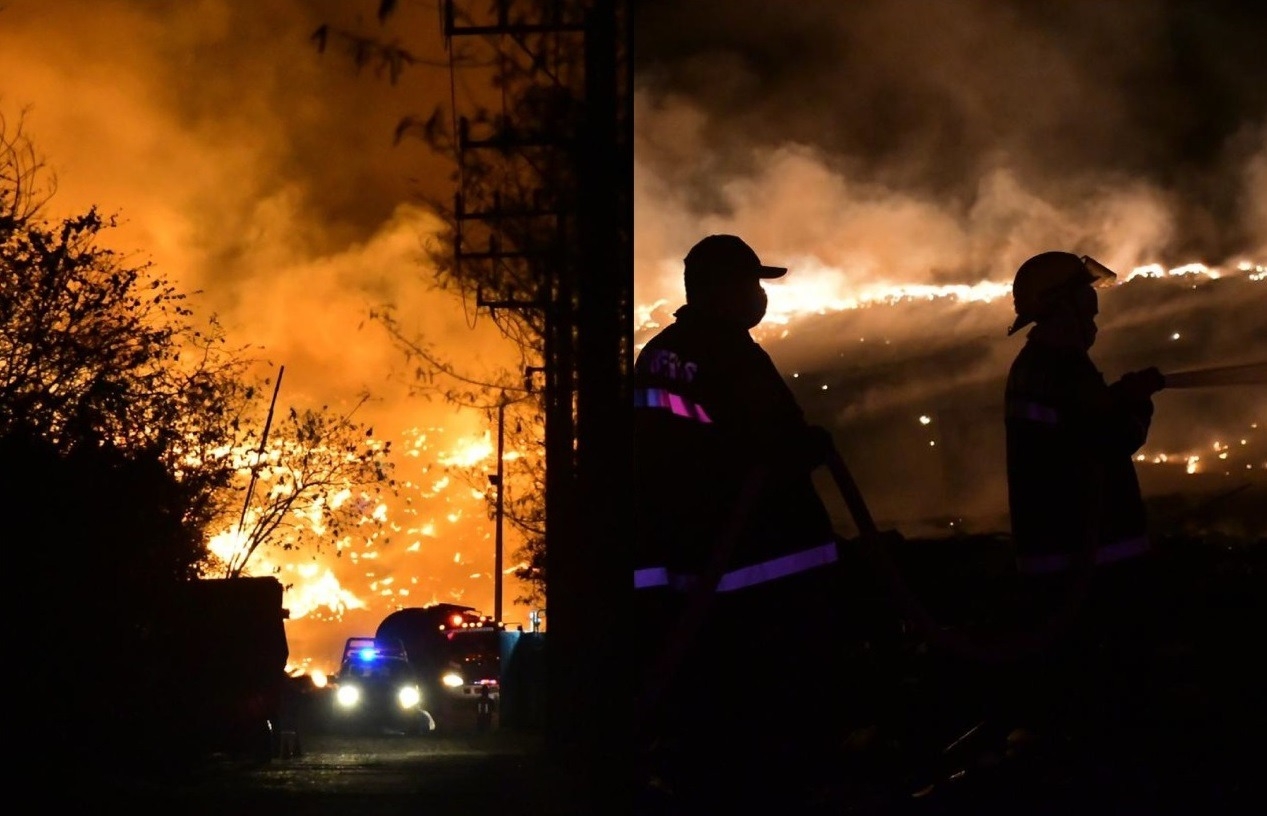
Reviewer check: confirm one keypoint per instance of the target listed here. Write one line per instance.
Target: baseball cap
(718, 258)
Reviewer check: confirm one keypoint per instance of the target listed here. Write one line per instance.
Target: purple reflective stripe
(1034, 411)
(778, 568)
(650, 577)
(667, 400)
(1059, 562)
(751, 575)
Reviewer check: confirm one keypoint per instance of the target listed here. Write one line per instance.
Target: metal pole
(501, 488)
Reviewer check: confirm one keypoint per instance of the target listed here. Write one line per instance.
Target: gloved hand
(1142, 384)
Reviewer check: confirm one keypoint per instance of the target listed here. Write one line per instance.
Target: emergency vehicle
(473, 647)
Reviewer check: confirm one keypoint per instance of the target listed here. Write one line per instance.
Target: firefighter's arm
(1114, 417)
(1131, 405)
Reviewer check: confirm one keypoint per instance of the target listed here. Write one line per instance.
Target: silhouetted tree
(323, 476)
(104, 375)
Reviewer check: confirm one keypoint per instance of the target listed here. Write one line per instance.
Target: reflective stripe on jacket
(665, 399)
(1048, 563)
(751, 575)
(710, 409)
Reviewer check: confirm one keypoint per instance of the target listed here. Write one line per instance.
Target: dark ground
(461, 772)
(1191, 729)
(1197, 746)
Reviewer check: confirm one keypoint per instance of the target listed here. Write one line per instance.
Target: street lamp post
(501, 489)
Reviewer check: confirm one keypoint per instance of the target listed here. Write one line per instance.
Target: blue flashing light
(368, 654)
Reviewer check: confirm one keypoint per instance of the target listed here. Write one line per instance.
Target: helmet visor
(1097, 275)
(1101, 275)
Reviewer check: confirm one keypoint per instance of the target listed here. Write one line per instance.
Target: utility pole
(552, 235)
(500, 482)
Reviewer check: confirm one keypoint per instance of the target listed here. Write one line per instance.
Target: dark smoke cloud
(937, 101)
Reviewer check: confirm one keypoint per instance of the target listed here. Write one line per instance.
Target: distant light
(824, 387)
(932, 443)
(1174, 336)
(796, 374)
(924, 420)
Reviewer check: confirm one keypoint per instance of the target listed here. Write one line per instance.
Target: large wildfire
(931, 160)
(833, 339)
(432, 543)
(909, 378)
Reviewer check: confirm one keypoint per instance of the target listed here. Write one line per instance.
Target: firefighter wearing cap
(713, 418)
(1077, 515)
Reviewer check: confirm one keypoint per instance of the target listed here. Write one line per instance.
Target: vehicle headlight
(347, 696)
(452, 679)
(409, 696)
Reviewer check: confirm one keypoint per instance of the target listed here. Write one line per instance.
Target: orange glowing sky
(246, 165)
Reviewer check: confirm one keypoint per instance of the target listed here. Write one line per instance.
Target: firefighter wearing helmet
(1077, 514)
(723, 493)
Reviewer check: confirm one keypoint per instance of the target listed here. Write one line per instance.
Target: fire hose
(874, 543)
(1243, 374)
(998, 647)
(875, 546)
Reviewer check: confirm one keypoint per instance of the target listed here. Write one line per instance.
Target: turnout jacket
(709, 407)
(1072, 487)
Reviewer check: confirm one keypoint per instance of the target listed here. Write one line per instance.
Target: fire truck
(456, 652)
(474, 652)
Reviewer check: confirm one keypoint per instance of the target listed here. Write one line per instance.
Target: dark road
(469, 774)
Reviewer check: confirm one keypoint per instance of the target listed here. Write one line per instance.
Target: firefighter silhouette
(1083, 553)
(735, 574)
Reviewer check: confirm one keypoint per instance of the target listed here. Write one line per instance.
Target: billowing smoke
(925, 149)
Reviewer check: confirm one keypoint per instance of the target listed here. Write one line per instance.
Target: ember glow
(814, 329)
(817, 290)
